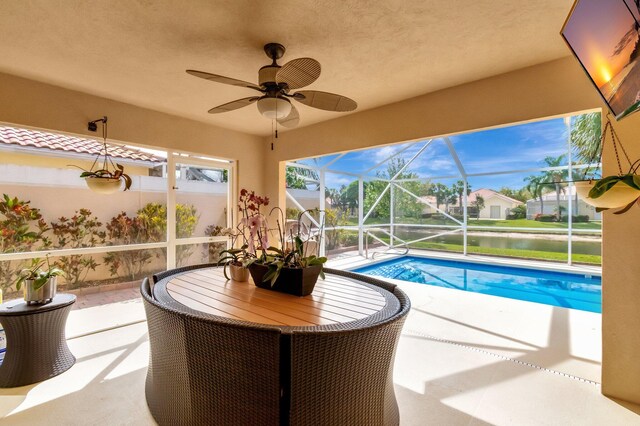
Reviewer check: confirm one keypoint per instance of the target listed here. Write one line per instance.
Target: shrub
(576, 219)
(186, 221)
(125, 230)
(349, 239)
(22, 229)
(79, 231)
(213, 249)
(546, 217)
(518, 212)
(153, 218)
(292, 213)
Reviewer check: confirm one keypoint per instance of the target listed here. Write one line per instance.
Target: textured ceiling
(375, 52)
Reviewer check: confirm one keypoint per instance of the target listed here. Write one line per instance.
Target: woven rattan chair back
(206, 372)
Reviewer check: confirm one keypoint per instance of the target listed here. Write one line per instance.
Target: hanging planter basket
(616, 191)
(103, 185)
(105, 176)
(619, 195)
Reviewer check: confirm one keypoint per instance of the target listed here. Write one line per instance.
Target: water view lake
(584, 246)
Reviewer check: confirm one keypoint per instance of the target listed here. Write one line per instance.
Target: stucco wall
(29, 103)
(495, 201)
(541, 91)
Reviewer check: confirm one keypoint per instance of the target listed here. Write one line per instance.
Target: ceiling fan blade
(223, 80)
(290, 120)
(230, 106)
(299, 72)
(326, 101)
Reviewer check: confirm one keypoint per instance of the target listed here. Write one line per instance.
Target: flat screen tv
(604, 36)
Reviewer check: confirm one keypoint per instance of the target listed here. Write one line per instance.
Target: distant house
(309, 199)
(496, 205)
(549, 205)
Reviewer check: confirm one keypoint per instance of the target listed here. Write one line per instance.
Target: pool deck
(565, 341)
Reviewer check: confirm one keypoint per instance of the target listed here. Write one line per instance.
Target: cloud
(333, 180)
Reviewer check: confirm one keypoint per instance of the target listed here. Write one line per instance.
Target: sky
(505, 149)
(595, 30)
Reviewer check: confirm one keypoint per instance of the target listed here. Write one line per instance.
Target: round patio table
(335, 300)
(332, 350)
(36, 344)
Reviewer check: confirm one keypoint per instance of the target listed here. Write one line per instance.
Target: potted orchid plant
(251, 233)
(289, 267)
(40, 281)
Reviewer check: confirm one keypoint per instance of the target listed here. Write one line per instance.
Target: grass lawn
(522, 254)
(502, 252)
(513, 223)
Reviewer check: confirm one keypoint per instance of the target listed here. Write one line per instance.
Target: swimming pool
(551, 288)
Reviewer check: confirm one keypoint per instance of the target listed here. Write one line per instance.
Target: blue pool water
(551, 288)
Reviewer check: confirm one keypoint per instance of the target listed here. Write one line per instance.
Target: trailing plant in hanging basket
(104, 176)
(117, 176)
(609, 192)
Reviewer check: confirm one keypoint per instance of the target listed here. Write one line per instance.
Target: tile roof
(57, 142)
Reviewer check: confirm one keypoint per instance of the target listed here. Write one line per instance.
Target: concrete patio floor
(463, 359)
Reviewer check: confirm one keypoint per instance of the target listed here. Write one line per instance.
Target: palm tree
(585, 137)
(576, 175)
(536, 188)
(556, 178)
(458, 188)
(441, 192)
(478, 204)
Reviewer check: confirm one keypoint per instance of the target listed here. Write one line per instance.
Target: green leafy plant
(79, 231)
(37, 274)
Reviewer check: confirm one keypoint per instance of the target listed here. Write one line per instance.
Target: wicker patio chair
(209, 370)
(345, 377)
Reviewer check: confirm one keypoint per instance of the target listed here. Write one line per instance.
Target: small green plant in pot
(40, 283)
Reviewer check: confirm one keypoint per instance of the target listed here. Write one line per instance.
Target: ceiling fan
(276, 83)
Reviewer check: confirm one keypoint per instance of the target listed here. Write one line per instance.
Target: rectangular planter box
(296, 281)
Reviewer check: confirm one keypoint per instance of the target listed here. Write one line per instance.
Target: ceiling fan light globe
(274, 108)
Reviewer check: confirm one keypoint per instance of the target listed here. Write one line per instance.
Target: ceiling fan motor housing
(267, 75)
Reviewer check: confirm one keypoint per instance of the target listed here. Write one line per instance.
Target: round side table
(36, 344)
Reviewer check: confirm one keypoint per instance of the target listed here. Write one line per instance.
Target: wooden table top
(334, 300)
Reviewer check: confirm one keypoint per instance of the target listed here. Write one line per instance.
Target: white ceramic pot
(103, 185)
(239, 273)
(619, 195)
(44, 294)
